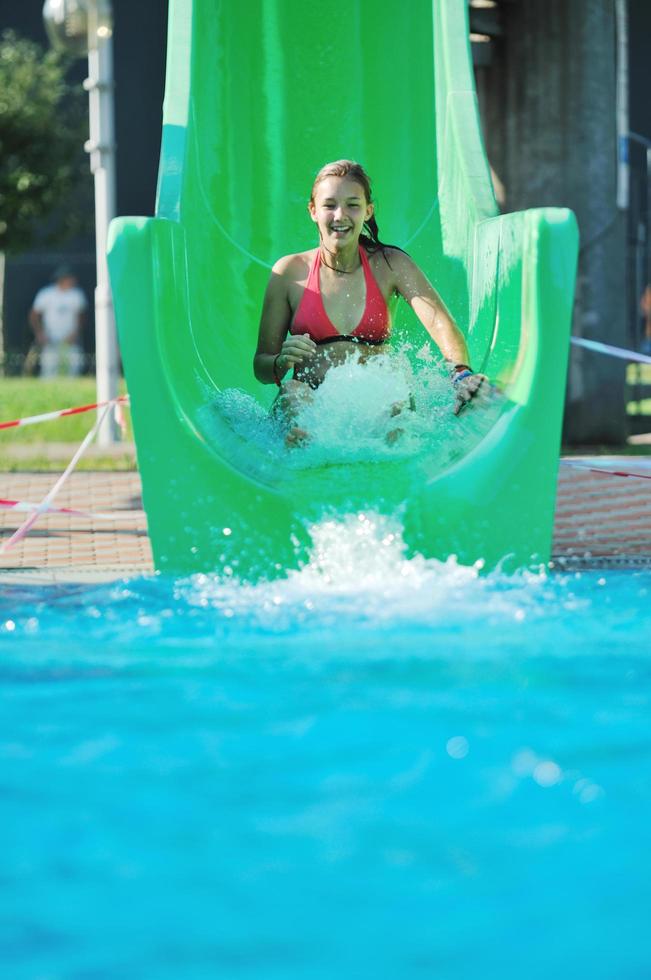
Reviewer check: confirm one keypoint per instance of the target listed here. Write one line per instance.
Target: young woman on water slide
(328, 302)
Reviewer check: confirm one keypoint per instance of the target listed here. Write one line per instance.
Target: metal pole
(648, 216)
(621, 104)
(646, 143)
(101, 147)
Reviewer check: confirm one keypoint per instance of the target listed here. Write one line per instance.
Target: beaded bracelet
(460, 375)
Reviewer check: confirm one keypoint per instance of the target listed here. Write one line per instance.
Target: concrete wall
(548, 108)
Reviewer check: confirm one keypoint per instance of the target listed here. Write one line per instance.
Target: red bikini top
(311, 317)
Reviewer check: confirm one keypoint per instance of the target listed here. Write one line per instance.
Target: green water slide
(259, 95)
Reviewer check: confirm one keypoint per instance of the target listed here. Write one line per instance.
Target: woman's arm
(276, 353)
(412, 283)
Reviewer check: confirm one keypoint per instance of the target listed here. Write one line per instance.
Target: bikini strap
(365, 263)
(314, 274)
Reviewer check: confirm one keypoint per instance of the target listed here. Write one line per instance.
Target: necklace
(342, 272)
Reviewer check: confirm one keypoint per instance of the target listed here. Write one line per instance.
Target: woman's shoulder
(292, 267)
(389, 253)
(390, 262)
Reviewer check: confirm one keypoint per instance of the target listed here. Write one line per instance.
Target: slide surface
(258, 96)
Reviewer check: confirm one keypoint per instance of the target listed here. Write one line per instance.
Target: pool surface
(377, 767)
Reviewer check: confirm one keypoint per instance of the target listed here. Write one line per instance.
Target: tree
(45, 187)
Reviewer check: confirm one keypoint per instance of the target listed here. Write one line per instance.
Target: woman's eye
(350, 207)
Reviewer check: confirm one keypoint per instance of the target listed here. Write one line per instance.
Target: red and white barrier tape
(603, 469)
(49, 497)
(24, 506)
(48, 416)
(620, 352)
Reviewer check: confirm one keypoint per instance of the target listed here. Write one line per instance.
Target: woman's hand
(295, 350)
(466, 389)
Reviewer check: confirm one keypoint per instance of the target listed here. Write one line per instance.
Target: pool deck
(70, 548)
(601, 521)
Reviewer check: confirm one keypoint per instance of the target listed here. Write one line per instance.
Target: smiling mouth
(338, 230)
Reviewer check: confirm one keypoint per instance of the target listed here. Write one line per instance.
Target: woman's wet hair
(350, 168)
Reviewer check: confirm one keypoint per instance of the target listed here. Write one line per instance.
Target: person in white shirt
(57, 318)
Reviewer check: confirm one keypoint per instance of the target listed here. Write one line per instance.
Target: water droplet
(547, 773)
(457, 747)
(590, 793)
(524, 762)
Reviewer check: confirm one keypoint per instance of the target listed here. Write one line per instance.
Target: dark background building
(551, 77)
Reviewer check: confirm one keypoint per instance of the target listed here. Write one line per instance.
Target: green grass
(21, 397)
(38, 463)
(625, 450)
(638, 374)
(642, 407)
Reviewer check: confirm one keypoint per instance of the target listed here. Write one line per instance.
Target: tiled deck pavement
(67, 548)
(603, 519)
(600, 520)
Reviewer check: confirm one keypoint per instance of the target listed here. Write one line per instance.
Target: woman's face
(340, 209)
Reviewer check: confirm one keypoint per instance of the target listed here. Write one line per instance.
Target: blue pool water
(376, 767)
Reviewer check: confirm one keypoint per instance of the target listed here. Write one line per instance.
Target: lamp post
(85, 27)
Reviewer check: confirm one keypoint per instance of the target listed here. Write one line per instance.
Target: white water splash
(358, 407)
(385, 409)
(359, 568)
